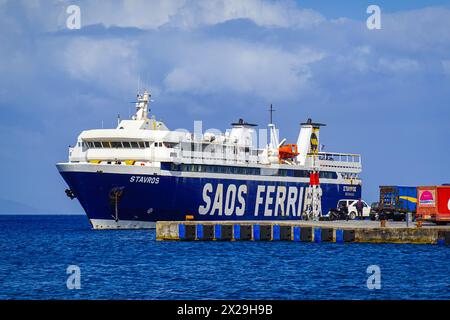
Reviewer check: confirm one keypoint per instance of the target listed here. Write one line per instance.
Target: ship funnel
(242, 132)
(308, 140)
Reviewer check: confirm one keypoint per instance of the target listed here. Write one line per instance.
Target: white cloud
(186, 14)
(194, 13)
(242, 68)
(102, 62)
(402, 65)
(144, 14)
(262, 13)
(425, 29)
(271, 65)
(358, 58)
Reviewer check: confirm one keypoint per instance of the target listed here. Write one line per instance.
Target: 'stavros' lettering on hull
(349, 189)
(144, 179)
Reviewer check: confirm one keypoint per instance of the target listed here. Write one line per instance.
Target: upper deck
(148, 141)
(159, 149)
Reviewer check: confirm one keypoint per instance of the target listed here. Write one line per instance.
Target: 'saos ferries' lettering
(232, 197)
(270, 200)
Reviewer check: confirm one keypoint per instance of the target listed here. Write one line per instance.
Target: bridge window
(114, 144)
(170, 144)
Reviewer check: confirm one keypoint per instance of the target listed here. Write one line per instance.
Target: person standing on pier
(359, 208)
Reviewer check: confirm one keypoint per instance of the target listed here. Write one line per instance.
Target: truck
(396, 201)
(433, 204)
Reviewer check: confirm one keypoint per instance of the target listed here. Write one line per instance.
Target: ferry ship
(142, 172)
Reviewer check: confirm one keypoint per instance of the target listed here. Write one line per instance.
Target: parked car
(351, 205)
(346, 210)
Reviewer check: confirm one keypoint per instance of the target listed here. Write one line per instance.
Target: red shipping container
(433, 203)
(443, 196)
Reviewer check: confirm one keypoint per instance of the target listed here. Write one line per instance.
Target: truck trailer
(433, 204)
(396, 201)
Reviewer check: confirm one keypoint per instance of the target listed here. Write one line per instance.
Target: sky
(382, 93)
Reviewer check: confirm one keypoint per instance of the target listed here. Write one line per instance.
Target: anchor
(70, 194)
(114, 195)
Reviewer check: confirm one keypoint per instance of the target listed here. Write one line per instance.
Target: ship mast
(142, 103)
(273, 143)
(271, 110)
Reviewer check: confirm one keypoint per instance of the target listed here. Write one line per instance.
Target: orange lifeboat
(287, 152)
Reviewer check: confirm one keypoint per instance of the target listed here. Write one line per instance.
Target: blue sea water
(35, 252)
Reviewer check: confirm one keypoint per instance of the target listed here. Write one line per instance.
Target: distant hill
(13, 207)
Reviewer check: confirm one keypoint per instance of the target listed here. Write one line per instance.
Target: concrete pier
(303, 231)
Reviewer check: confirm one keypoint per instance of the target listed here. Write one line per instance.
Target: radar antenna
(142, 105)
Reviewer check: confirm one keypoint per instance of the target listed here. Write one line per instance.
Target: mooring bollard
(383, 223)
(419, 223)
(408, 219)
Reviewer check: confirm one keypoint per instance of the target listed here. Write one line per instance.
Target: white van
(351, 205)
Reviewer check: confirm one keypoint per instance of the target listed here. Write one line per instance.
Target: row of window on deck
(203, 147)
(124, 144)
(246, 170)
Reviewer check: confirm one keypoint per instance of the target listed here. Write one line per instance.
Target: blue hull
(153, 198)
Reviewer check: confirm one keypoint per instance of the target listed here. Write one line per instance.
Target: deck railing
(343, 161)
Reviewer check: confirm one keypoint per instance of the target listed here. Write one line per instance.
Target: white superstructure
(145, 141)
